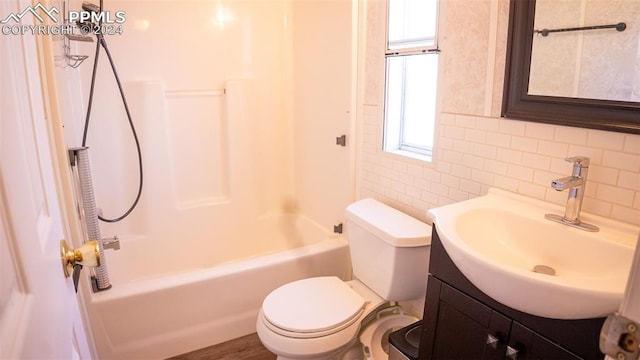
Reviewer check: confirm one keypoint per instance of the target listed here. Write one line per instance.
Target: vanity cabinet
(468, 329)
(461, 322)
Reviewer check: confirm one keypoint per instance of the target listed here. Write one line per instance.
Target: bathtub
(155, 312)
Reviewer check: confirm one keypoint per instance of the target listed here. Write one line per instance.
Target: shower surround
(237, 105)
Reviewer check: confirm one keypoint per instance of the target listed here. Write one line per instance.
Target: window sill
(411, 155)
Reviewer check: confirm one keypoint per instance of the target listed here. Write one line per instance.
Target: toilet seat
(311, 308)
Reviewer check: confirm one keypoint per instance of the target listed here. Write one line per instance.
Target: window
(411, 74)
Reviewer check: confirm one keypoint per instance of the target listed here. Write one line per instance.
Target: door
(39, 313)
(528, 345)
(459, 327)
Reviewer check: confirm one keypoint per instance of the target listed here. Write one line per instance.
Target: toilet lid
(312, 305)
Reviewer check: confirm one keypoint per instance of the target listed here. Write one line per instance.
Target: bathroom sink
(503, 244)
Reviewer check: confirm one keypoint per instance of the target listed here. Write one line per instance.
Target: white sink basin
(499, 239)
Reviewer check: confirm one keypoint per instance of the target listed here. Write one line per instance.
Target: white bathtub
(151, 314)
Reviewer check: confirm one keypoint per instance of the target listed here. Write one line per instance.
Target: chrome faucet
(575, 184)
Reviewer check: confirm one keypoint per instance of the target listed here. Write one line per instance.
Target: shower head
(89, 7)
(88, 17)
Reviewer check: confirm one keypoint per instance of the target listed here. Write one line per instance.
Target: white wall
(192, 49)
(322, 108)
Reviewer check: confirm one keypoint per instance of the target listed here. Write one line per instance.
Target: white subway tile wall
(469, 160)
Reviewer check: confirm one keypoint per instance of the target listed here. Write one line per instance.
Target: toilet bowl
(314, 318)
(322, 317)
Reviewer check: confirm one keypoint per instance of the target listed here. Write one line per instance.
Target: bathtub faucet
(111, 243)
(575, 184)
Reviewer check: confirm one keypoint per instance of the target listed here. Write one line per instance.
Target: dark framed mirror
(517, 103)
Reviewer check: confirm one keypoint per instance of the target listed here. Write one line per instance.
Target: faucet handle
(579, 161)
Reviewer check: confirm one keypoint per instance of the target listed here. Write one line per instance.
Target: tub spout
(111, 243)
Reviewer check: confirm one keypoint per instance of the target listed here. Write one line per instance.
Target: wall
(190, 51)
(475, 148)
(322, 108)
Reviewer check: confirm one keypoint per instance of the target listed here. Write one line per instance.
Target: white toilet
(321, 317)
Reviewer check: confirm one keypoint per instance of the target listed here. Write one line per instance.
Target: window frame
(393, 130)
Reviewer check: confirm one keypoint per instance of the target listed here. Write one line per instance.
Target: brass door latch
(86, 255)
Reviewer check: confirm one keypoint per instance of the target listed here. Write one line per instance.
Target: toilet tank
(389, 250)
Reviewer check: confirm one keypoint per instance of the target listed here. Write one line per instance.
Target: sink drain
(544, 269)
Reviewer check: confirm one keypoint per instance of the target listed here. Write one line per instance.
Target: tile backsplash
(475, 148)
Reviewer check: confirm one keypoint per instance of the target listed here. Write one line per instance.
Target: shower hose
(101, 280)
(101, 43)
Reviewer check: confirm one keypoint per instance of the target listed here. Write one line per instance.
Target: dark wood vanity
(461, 322)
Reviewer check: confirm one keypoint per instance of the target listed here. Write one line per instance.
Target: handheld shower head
(86, 19)
(87, 6)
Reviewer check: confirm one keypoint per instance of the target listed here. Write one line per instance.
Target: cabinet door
(461, 326)
(531, 346)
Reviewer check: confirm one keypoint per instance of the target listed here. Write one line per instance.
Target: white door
(39, 314)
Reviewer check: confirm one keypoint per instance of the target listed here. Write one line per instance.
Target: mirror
(546, 106)
(584, 49)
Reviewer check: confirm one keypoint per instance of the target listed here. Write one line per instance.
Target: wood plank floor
(245, 348)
